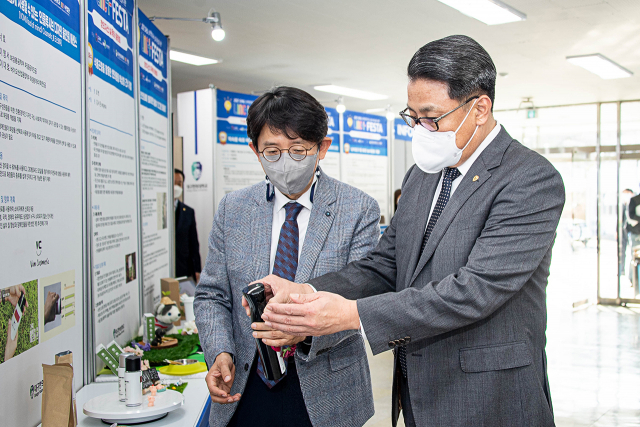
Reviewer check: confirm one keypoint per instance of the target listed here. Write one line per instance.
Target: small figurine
(161, 388)
(152, 401)
(158, 339)
(166, 313)
(154, 390)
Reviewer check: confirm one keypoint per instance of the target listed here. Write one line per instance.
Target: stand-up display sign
(155, 175)
(113, 170)
(364, 160)
(236, 164)
(41, 221)
(331, 163)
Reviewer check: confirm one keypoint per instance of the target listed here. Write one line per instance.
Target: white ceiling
(367, 44)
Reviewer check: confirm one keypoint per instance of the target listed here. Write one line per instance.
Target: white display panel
(156, 178)
(41, 222)
(196, 123)
(113, 172)
(364, 157)
(331, 163)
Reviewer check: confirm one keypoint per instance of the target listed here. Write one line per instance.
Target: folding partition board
(156, 176)
(364, 157)
(331, 163)
(237, 166)
(196, 126)
(113, 171)
(41, 199)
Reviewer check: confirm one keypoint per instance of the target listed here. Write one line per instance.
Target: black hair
(287, 111)
(460, 62)
(180, 172)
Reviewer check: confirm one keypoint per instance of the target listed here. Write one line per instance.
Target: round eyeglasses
(430, 123)
(297, 152)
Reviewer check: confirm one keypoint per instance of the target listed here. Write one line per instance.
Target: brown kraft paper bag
(56, 396)
(68, 358)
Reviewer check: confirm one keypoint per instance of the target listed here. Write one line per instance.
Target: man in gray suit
(457, 284)
(300, 224)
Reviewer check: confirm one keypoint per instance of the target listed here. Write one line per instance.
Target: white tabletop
(195, 399)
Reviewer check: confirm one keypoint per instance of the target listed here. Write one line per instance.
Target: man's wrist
(354, 316)
(311, 287)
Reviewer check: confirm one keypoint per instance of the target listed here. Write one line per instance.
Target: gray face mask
(290, 176)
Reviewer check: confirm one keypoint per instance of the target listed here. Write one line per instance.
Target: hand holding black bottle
(272, 361)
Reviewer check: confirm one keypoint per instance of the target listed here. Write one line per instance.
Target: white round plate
(109, 408)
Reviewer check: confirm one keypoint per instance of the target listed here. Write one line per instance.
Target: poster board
(331, 163)
(41, 197)
(156, 176)
(236, 165)
(113, 171)
(364, 157)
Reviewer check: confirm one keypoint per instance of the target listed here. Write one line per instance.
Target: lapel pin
(475, 178)
(327, 213)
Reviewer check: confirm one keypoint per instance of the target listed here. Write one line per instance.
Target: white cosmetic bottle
(121, 370)
(133, 381)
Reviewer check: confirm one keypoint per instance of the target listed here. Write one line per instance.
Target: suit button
(407, 339)
(392, 344)
(246, 366)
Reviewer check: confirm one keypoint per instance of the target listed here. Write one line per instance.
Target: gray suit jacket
(471, 308)
(343, 227)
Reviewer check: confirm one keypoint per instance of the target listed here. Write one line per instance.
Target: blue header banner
(110, 42)
(356, 123)
(370, 147)
(334, 129)
(232, 104)
(401, 130)
(153, 56)
(52, 21)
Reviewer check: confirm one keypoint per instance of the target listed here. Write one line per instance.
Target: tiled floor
(594, 368)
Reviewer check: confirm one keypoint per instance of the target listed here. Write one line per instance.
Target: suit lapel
(466, 188)
(261, 222)
(420, 211)
(318, 228)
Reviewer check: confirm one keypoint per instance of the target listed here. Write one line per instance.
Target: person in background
(299, 224)
(188, 262)
(396, 199)
(627, 228)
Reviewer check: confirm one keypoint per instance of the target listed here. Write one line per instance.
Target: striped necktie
(285, 264)
(450, 175)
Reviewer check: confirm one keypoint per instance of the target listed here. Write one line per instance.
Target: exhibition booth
(87, 216)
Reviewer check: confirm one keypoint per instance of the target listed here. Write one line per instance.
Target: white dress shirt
(280, 214)
(464, 168)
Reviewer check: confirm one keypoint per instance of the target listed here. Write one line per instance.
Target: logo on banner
(350, 121)
(36, 390)
(196, 170)
(222, 137)
(227, 104)
(38, 247)
(118, 331)
(90, 58)
(347, 148)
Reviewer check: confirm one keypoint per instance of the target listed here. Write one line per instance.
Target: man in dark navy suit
(187, 246)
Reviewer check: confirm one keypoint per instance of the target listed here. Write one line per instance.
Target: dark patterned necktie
(450, 175)
(285, 264)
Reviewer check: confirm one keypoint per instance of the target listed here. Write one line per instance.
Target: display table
(194, 412)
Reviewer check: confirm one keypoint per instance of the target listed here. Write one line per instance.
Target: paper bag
(56, 396)
(62, 358)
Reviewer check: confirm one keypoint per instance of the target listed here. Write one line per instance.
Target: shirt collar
(175, 203)
(305, 199)
(464, 168)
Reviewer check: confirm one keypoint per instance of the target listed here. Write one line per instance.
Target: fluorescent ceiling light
(191, 59)
(600, 65)
(354, 93)
(491, 12)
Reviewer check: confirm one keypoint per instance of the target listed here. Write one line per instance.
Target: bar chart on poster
(113, 170)
(364, 160)
(155, 175)
(41, 201)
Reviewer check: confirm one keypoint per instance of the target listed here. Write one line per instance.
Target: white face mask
(434, 151)
(177, 191)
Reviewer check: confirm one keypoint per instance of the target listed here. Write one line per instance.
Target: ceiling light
(217, 33)
(341, 108)
(600, 65)
(491, 12)
(390, 115)
(191, 59)
(354, 93)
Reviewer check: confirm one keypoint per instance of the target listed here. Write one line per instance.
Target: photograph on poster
(130, 266)
(52, 314)
(58, 303)
(18, 319)
(161, 210)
